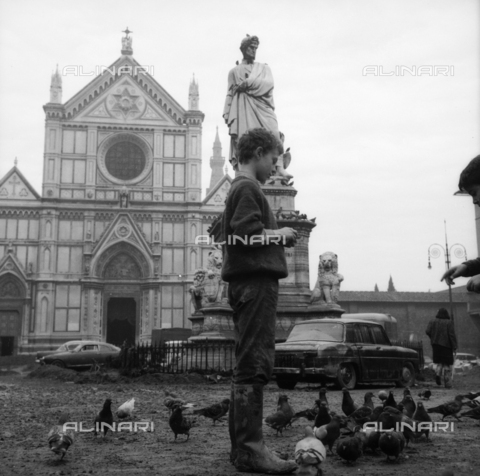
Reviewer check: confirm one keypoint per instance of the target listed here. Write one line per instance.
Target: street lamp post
(434, 252)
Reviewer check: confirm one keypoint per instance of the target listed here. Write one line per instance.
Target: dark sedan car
(85, 354)
(347, 351)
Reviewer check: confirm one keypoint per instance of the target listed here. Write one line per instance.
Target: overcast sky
(375, 158)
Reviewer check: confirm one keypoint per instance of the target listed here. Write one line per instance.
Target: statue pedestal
(216, 331)
(213, 319)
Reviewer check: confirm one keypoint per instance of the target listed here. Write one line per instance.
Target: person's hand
(290, 235)
(473, 284)
(453, 273)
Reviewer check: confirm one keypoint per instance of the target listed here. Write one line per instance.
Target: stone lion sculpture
(208, 286)
(198, 288)
(327, 288)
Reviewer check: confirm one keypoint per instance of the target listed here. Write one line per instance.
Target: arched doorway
(122, 268)
(12, 294)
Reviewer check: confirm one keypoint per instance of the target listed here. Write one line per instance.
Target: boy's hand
(454, 272)
(473, 284)
(290, 235)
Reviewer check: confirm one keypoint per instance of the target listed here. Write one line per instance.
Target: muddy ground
(29, 406)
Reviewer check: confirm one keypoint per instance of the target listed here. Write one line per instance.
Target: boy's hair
(470, 174)
(254, 138)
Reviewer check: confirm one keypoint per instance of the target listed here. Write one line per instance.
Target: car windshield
(327, 331)
(71, 346)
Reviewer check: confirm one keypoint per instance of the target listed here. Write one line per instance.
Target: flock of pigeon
(354, 437)
(349, 431)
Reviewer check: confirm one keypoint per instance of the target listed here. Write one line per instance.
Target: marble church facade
(107, 250)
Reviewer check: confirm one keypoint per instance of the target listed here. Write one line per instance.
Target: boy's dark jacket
(248, 213)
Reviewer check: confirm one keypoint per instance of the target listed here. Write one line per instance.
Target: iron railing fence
(179, 357)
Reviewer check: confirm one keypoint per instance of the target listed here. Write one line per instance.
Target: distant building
(107, 250)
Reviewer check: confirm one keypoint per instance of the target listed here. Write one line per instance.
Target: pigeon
(330, 432)
(425, 394)
(361, 415)
(372, 438)
(322, 417)
(350, 448)
(170, 402)
(104, 418)
(348, 405)
(309, 454)
(322, 396)
(377, 411)
(472, 395)
(421, 416)
(126, 409)
(284, 406)
(473, 413)
(392, 418)
(179, 424)
(409, 406)
(310, 414)
(215, 411)
(406, 391)
(368, 400)
(390, 401)
(59, 440)
(283, 417)
(449, 409)
(278, 421)
(382, 395)
(392, 444)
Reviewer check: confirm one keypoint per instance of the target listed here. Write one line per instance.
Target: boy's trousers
(254, 303)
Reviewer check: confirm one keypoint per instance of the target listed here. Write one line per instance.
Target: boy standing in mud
(253, 262)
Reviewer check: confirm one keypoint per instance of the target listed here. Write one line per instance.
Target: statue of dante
(249, 102)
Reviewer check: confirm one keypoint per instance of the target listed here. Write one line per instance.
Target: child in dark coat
(253, 262)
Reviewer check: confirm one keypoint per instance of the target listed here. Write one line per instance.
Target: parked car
(70, 345)
(467, 358)
(85, 354)
(346, 351)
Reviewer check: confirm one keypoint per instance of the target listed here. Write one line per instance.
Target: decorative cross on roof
(127, 31)
(14, 182)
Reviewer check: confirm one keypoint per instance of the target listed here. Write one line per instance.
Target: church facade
(107, 250)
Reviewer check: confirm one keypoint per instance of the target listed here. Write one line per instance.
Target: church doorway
(121, 319)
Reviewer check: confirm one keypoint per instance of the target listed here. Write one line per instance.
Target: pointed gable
(9, 264)
(125, 92)
(122, 229)
(14, 186)
(218, 194)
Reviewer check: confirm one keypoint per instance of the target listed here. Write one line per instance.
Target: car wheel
(59, 363)
(347, 376)
(407, 378)
(286, 384)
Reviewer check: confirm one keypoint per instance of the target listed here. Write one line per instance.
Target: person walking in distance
(444, 345)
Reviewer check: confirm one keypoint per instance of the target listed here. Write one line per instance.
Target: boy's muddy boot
(447, 376)
(253, 456)
(231, 426)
